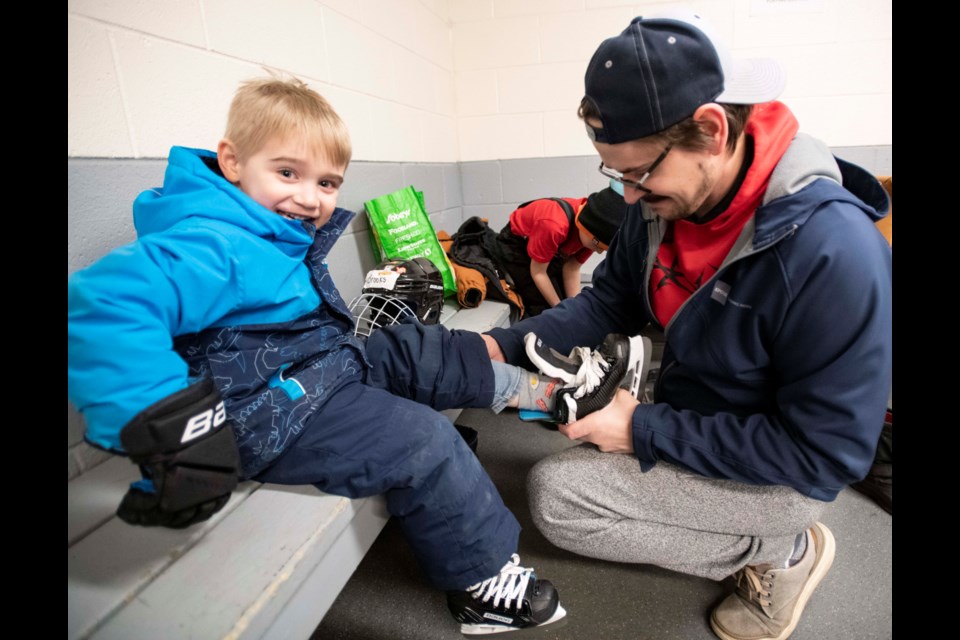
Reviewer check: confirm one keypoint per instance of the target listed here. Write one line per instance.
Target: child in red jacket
(547, 240)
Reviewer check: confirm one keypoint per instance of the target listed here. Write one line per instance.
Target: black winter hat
(602, 214)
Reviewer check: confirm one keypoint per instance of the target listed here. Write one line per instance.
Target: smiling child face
(286, 177)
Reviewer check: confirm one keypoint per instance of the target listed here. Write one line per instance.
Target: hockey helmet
(395, 290)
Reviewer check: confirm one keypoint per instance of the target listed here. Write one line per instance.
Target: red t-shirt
(544, 224)
(691, 253)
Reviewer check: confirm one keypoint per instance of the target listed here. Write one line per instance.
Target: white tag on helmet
(381, 279)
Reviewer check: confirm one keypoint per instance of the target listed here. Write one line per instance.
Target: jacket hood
(805, 176)
(809, 176)
(192, 190)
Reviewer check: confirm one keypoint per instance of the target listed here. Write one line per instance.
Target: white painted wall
(144, 75)
(520, 64)
(437, 80)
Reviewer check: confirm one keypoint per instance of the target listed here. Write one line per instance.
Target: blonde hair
(266, 107)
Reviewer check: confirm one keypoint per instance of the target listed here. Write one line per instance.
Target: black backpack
(475, 246)
(567, 209)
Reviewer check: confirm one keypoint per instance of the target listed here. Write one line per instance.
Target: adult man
(755, 250)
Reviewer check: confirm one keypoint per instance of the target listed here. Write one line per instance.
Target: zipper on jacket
(708, 285)
(658, 385)
(653, 247)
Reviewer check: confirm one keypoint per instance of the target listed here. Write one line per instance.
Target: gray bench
(269, 565)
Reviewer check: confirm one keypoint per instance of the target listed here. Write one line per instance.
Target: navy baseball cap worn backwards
(659, 71)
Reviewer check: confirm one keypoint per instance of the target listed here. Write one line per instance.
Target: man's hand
(610, 428)
(187, 455)
(493, 348)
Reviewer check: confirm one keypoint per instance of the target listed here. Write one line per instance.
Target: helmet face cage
(372, 311)
(396, 290)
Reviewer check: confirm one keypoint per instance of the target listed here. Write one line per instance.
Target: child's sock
(799, 546)
(522, 389)
(537, 392)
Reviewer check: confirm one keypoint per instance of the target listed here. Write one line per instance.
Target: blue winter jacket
(215, 286)
(777, 370)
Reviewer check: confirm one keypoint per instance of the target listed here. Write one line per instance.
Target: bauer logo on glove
(188, 458)
(203, 422)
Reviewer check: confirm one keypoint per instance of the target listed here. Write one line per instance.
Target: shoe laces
(508, 585)
(590, 374)
(755, 585)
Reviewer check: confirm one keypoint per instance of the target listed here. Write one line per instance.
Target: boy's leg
(448, 369)
(432, 365)
(511, 253)
(366, 441)
(555, 272)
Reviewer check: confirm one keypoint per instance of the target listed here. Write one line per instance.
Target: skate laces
(509, 585)
(590, 374)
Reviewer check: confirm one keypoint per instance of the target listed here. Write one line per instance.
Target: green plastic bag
(401, 229)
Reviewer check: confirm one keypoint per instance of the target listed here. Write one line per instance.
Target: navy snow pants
(383, 435)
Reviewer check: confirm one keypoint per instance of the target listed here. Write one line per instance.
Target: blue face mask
(617, 186)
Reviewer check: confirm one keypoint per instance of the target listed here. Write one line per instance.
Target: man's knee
(548, 495)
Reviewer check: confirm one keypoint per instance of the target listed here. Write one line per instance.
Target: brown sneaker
(768, 602)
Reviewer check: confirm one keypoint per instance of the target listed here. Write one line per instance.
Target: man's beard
(677, 208)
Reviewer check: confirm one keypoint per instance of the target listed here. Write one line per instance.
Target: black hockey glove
(188, 457)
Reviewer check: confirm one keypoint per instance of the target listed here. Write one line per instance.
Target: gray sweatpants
(600, 505)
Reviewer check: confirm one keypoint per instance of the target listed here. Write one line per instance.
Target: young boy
(216, 346)
(547, 240)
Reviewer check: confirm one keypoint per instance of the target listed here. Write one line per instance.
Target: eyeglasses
(636, 184)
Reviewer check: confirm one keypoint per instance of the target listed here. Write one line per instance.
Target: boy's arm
(571, 276)
(538, 271)
(543, 245)
(133, 388)
(123, 313)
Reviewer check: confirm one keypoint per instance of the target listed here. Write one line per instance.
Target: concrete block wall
(520, 65)
(146, 74)
(438, 80)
